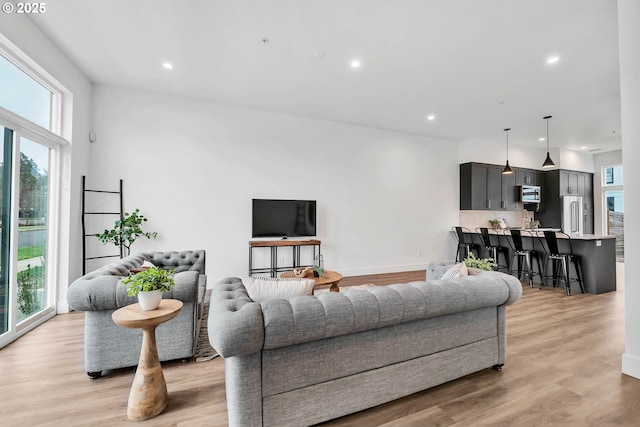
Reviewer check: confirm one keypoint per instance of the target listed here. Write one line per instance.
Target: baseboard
(62, 307)
(631, 365)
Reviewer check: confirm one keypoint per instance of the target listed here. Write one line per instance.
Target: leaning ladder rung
(102, 213)
(104, 256)
(100, 191)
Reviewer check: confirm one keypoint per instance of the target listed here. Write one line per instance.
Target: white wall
(21, 32)
(193, 167)
(609, 158)
(629, 44)
(495, 152)
(574, 160)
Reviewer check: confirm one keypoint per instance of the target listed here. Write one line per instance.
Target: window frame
(52, 139)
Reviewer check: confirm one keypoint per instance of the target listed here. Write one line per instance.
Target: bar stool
(526, 251)
(465, 242)
(491, 243)
(563, 258)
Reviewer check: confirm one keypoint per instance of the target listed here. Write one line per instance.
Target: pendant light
(548, 163)
(507, 169)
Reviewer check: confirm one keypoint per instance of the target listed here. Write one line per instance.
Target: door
(5, 232)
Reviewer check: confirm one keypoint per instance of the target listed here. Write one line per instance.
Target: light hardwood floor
(563, 369)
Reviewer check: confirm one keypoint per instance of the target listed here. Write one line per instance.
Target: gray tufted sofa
(100, 293)
(310, 359)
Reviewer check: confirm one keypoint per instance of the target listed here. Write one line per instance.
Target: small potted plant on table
(149, 285)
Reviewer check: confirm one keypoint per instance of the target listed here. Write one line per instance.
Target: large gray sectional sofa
(309, 359)
(100, 293)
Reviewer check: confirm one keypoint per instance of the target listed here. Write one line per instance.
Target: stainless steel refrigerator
(572, 218)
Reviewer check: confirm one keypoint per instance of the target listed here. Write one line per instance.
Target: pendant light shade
(507, 169)
(548, 163)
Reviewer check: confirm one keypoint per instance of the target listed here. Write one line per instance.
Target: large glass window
(32, 228)
(23, 95)
(6, 136)
(26, 292)
(613, 206)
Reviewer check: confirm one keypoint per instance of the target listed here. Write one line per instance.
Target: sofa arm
(235, 324)
(513, 283)
(108, 293)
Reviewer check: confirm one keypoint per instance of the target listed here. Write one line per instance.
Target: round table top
(132, 316)
(328, 278)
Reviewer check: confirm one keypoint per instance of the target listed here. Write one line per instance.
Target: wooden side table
(148, 396)
(328, 278)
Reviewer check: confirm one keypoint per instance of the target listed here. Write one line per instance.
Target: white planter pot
(149, 300)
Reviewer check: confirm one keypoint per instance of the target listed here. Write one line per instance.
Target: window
(613, 206)
(23, 95)
(612, 175)
(28, 114)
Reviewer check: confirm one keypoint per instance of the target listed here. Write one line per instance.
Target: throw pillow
(457, 270)
(261, 288)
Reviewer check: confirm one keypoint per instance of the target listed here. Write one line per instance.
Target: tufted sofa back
(181, 261)
(278, 323)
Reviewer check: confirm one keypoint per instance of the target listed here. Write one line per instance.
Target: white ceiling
(477, 65)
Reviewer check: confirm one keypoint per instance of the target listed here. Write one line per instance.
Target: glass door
(5, 224)
(32, 229)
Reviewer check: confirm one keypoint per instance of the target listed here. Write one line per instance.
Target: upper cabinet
(527, 176)
(483, 187)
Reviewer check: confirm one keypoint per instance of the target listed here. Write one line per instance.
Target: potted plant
(318, 271)
(486, 264)
(126, 231)
(149, 285)
(494, 223)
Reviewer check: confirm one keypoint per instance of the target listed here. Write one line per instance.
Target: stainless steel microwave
(530, 193)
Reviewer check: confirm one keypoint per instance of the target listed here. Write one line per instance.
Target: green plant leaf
(126, 231)
(151, 279)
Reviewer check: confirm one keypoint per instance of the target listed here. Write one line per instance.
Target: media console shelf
(274, 269)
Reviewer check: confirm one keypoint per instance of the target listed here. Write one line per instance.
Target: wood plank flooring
(563, 369)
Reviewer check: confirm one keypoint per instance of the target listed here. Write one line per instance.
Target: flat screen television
(283, 218)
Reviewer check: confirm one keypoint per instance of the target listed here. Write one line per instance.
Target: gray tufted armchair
(99, 294)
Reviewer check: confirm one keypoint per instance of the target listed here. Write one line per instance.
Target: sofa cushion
(262, 288)
(457, 270)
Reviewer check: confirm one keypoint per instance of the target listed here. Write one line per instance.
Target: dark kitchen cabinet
(527, 176)
(483, 187)
(561, 182)
(568, 182)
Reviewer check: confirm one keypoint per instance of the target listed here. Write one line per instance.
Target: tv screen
(283, 218)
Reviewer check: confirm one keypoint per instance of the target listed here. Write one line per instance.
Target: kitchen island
(597, 254)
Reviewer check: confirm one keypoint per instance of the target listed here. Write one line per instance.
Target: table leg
(148, 396)
(334, 288)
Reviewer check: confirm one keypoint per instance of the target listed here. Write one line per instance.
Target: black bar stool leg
(567, 277)
(576, 263)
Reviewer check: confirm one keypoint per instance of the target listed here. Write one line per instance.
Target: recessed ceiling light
(541, 139)
(355, 63)
(553, 60)
(431, 117)
(583, 148)
(167, 65)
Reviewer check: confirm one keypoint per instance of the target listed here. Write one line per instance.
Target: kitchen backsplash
(473, 219)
